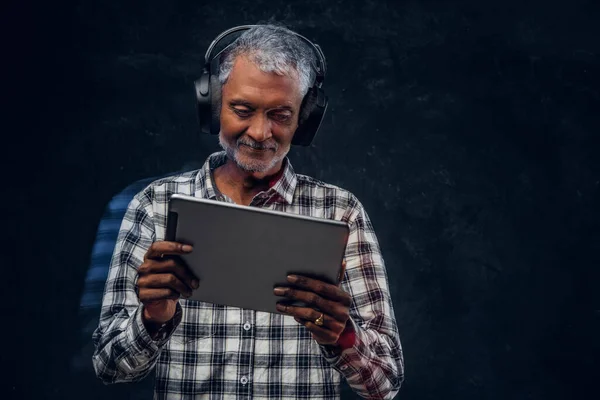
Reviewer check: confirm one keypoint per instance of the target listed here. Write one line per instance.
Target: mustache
(257, 145)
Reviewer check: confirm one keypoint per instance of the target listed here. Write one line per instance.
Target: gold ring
(319, 321)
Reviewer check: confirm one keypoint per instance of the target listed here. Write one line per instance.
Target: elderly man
(207, 350)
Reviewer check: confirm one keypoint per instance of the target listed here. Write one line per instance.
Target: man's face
(259, 115)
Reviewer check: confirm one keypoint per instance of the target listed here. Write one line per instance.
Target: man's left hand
(323, 300)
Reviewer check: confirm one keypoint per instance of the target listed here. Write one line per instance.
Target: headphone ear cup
(311, 116)
(203, 102)
(215, 105)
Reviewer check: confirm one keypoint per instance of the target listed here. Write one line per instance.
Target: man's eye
(281, 117)
(241, 113)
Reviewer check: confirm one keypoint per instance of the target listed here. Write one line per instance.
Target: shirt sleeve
(124, 351)
(374, 366)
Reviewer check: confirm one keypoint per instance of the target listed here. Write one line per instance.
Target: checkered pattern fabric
(217, 352)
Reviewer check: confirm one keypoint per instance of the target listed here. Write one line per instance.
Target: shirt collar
(284, 184)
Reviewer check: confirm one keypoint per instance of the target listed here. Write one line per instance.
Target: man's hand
(162, 280)
(324, 300)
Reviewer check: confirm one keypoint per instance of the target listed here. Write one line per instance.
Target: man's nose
(260, 128)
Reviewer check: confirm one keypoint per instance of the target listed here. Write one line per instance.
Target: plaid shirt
(95, 279)
(214, 351)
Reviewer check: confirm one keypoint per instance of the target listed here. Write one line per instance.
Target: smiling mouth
(257, 149)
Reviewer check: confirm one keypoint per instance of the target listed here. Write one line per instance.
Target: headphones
(208, 90)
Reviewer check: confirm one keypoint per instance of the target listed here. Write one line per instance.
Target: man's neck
(241, 186)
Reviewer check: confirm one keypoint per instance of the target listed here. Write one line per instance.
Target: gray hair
(273, 49)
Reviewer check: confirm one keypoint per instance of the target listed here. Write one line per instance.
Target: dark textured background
(469, 130)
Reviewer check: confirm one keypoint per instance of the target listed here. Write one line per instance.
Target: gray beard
(253, 165)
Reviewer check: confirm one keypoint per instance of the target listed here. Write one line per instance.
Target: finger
(335, 309)
(161, 281)
(319, 333)
(161, 248)
(309, 314)
(323, 289)
(153, 294)
(170, 266)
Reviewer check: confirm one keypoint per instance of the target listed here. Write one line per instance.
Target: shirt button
(244, 380)
(344, 367)
(247, 326)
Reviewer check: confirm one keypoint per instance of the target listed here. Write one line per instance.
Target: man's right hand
(162, 280)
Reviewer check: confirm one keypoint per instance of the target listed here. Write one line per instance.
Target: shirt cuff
(144, 347)
(348, 361)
